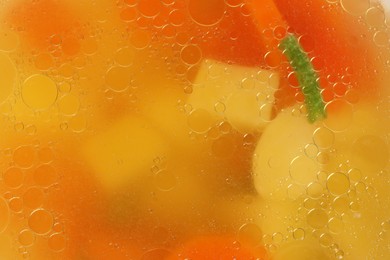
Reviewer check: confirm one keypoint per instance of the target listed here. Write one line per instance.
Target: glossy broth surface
(181, 129)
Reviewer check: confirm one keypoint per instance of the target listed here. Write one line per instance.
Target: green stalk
(306, 75)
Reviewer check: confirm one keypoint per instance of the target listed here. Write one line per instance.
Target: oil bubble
(317, 218)
(338, 183)
(26, 238)
(39, 92)
(40, 221)
(206, 13)
(250, 233)
(24, 156)
(303, 170)
(57, 242)
(13, 177)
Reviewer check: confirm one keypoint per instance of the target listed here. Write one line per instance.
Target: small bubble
(250, 233)
(335, 225)
(220, 107)
(360, 187)
(16, 204)
(40, 221)
(57, 242)
(225, 127)
(303, 170)
(294, 191)
(375, 17)
(338, 183)
(354, 206)
(78, 123)
(165, 180)
(299, 234)
(311, 150)
(317, 218)
(65, 87)
(381, 38)
(177, 17)
(309, 203)
(326, 240)
(69, 105)
(273, 59)
(386, 225)
(118, 78)
(200, 120)
(13, 177)
(19, 126)
(24, 156)
(340, 115)
(169, 31)
(191, 54)
(43, 85)
(206, 13)
(315, 190)
(26, 238)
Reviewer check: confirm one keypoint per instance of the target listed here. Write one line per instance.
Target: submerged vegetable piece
(215, 27)
(282, 144)
(46, 22)
(216, 247)
(307, 77)
(339, 42)
(242, 95)
(124, 152)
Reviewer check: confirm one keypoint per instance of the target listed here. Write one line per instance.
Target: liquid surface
(179, 129)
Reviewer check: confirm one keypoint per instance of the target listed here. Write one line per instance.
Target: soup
(192, 129)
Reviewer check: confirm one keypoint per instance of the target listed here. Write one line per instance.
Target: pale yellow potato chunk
(280, 158)
(328, 178)
(243, 96)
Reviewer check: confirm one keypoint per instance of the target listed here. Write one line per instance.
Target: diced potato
(243, 96)
(362, 156)
(280, 157)
(322, 177)
(124, 151)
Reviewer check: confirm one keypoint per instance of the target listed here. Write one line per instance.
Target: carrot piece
(216, 247)
(336, 39)
(42, 20)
